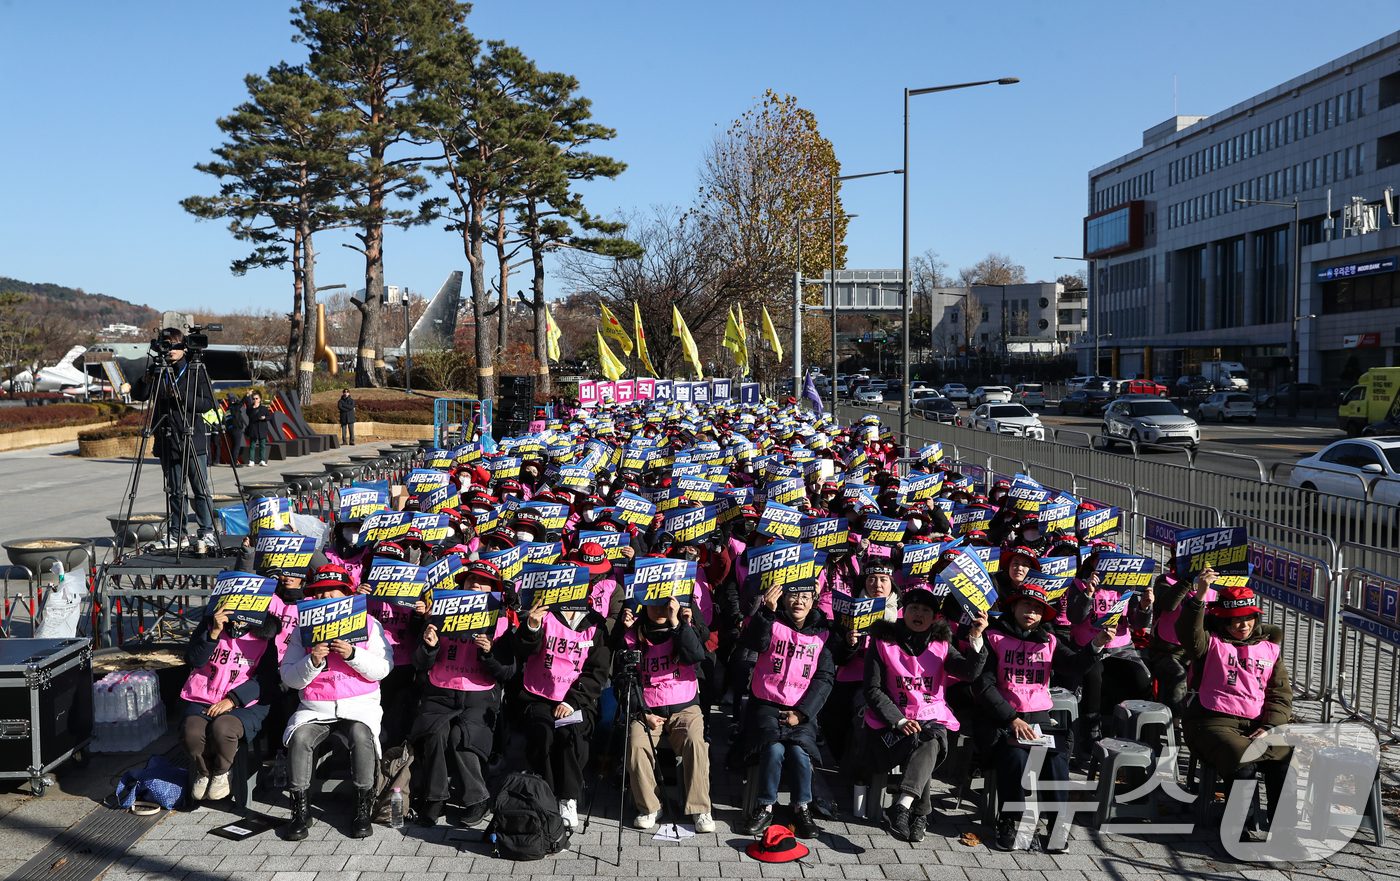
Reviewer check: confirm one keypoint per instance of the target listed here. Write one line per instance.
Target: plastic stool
(1111, 755)
(243, 773)
(1206, 780)
(1135, 717)
(751, 789)
(975, 776)
(1328, 764)
(878, 797)
(1065, 709)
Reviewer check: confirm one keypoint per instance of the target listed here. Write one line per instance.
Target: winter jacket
(346, 406)
(1192, 630)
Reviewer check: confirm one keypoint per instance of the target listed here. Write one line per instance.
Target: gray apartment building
(1184, 273)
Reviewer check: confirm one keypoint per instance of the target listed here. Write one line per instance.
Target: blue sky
(109, 105)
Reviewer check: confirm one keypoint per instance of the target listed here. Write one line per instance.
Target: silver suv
(1029, 394)
(1147, 419)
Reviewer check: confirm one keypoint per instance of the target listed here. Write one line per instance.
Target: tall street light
(832, 286)
(1297, 268)
(798, 308)
(1097, 296)
(904, 392)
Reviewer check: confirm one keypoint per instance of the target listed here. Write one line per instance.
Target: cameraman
(178, 404)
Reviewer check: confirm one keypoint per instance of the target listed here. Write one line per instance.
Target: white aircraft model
(60, 377)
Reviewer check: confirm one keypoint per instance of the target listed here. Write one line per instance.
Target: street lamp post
(908, 93)
(797, 309)
(832, 285)
(1293, 354)
(1097, 295)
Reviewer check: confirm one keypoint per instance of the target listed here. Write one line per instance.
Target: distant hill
(89, 311)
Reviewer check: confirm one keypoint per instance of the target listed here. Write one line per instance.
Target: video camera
(195, 342)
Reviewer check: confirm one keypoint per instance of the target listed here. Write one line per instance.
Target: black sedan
(1084, 403)
(936, 407)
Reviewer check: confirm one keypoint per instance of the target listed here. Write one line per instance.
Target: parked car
(1007, 419)
(1225, 406)
(869, 395)
(1140, 387)
(1350, 467)
(988, 394)
(876, 385)
(1195, 386)
(1082, 403)
(1092, 383)
(1029, 394)
(1310, 394)
(1149, 420)
(919, 393)
(936, 407)
(955, 391)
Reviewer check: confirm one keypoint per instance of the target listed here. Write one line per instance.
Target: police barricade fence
(1368, 682)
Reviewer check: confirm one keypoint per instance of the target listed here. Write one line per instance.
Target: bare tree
(994, 269)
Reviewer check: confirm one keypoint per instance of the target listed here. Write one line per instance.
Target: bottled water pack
(127, 711)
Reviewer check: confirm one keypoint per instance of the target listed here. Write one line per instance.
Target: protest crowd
(670, 576)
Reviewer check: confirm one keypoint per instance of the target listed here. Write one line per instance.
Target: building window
(1361, 101)
(1351, 161)
(986, 310)
(1331, 112)
(1271, 269)
(1308, 122)
(1360, 158)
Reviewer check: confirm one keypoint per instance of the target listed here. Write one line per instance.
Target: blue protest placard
(1057, 516)
(1110, 619)
(442, 498)
(655, 580)
(930, 455)
(1097, 524)
(884, 530)
(781, 522)
(634, 509)
(1055, 586)
(794, 566)
(1224, 550)
(970, 518)
(542, 551)
(787, 491)
(285, 551)
(691, 524)
(400, 584)
(612, 543)
(554, 514)
(507, 562)
(563, 587)
(246, 597)
(969, 582)
(919, 559)
(1125, 572)
(1059, 565)
(698, 489)
(384, 526)
(1026, 494)
(357, 503)
(438, 459)
(270, 512)
(825, 533)
(344, 618)
(424, 480)
(856, 614)
(467, 454)
(443, 574)
(916, 486)
(462, 615)
(990, 558)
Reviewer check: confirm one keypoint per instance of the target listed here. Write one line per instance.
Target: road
(1271, 441)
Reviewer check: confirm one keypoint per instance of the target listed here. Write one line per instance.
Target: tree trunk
(294, 334)
(485, 366)
(542, 379)
(369, 361)
(306, 368)
(503, 310)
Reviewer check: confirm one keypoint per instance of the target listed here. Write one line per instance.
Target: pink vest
(600, 595)
(458, 664)
(395, 621)
(1166, 624)
(854, 669)
(786, 667)
(665, 681)
(287, 614)
(704, 597)
(916, 684)
(1103, 600)
(231, 665)
(1023, 670)
(338, 680)
(1234, 677)
(551, 672)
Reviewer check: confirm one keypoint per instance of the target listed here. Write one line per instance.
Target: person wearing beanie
(1013, 693)
(906, 669)
(1241, 684)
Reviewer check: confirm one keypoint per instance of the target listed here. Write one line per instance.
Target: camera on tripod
(626, 668)
(195, 341)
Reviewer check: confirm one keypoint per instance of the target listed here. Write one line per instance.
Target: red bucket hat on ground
(779, 845)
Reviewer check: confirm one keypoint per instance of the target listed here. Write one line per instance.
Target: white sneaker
(704, 823)
(218, 787)
(646, 821)
(568, 811)
(201, 788)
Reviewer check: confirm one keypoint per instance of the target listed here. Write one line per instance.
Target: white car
(870, 396)
(1007, 419)
(1226, 406)
(954, 391)
(1348, 467)
(918, 394)
(989, 394)
(1147, 419)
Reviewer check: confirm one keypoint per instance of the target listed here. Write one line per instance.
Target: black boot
(363, 824)
(804, 824)
(297, 827)
(755, 821)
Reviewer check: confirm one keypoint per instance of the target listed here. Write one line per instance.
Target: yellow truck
(1375, 398)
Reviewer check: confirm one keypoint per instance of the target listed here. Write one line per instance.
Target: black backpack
(525, 822)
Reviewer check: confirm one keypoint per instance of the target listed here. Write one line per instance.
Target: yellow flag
(612, 368)
(551, 335)
(612, 329)
(771, 334)
(734, 342)
(679, 330)
(743, 331)
(642, 340)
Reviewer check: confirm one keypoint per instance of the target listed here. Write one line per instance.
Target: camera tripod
(172, 416)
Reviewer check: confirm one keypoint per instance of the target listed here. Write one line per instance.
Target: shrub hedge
(48, 416)
(127, 426)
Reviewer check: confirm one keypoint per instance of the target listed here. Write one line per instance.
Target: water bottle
(279, 771)
(396, 809)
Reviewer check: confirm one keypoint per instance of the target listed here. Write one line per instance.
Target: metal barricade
(453, 419)
(1293, 591)
(1368, 681)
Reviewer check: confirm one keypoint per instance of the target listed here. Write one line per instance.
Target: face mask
(590, 515)
(916, 524)
(476, 510)
(347, 534)
(522, 535)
